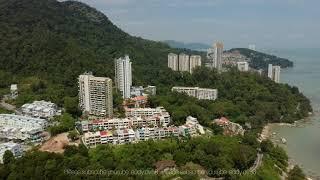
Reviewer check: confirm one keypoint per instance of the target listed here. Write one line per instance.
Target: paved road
(9, 107)
(257, 163)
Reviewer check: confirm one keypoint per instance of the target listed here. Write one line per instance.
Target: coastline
(267, 133)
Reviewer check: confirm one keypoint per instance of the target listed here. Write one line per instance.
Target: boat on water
(283, 140)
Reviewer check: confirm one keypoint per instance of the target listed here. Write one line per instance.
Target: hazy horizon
(265, 23)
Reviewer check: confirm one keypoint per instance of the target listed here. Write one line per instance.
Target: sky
(237, 23)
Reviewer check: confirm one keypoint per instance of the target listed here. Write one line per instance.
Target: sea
(303, 141)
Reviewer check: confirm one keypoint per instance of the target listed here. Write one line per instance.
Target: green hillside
(46, 44)
(58, 41)
(261, 60)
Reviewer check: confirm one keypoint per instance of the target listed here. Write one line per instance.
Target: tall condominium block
(199, 93)
(184, 62)
(270, 71)
(173, 61)
(243, 66)
(274, 73)
(123, 76)
(218, 51)
(195, 61)
(95, 95)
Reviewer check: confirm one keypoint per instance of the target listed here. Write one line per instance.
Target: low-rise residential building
(130, 122)
(199, 93)
(243, 66)
(139, 112)
(119, 136)
(15, 127)
(15, 148)
(136, 91)
(40, 109)
(136, 102)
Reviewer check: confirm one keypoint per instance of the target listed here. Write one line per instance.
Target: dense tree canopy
(46, 44)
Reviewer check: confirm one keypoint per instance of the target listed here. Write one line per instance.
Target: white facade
(173, 61)
(123, 76)
(136, 91)
(274, 73)
(184, 62)
(195, 61)
(243, 66)
(15, 148)
(214, 56)
(21, 127)
(199, 93)
(40, 109)
(270, 71)
(95, 95)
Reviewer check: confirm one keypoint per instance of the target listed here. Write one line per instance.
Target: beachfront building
(15, 148)
(274, 73)
(15, 127)
(95, 95)
(123, 76)
(199, 93)
(40, 109)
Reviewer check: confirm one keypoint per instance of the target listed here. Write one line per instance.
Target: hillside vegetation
(46, 44)
(261, 60)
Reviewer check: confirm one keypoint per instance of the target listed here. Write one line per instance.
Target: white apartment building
(92, 139)
(274, 73)
(123, 76)
(95, 95)
(15, 148)
(199, 93)
(214, 56)
(195, 61)
(243, 66)
(124, 136)
(184, 62)
(136, 91)
(154, 115)
(110, 124)
(40, 109)
(173, 61)
(15, 127)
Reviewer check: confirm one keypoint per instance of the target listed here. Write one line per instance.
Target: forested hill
(261, 60)
(57, 41)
